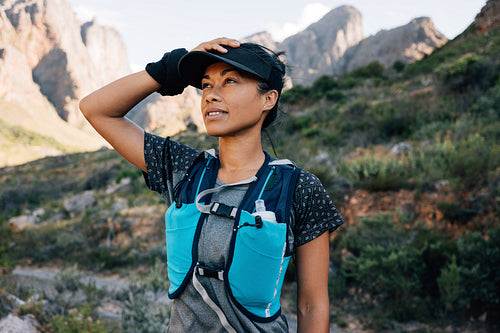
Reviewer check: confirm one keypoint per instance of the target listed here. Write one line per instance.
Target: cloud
(311, 13)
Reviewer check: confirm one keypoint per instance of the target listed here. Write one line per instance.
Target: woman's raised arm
(106, 108)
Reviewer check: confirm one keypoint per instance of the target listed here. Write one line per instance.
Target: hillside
(409, 153)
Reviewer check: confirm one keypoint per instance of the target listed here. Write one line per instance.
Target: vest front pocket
(180, 230)
(258, 266)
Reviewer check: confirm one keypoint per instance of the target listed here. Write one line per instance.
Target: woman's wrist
(165, 72)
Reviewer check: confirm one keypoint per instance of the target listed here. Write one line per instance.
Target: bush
(139, 315)
(449, 284)
(478, 259)
(79, 320)
(398, 66)
(467, 72)
(373, 70)
(384, 260)
(379, 173)
(295, 95)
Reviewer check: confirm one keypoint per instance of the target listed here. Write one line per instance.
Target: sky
(150, 28)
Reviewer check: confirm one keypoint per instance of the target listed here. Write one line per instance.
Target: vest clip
(223, 210)
(210, 272)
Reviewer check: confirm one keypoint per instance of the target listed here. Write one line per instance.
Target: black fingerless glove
(165, 72)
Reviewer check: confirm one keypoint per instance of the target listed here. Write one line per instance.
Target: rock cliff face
(29, 43)
(335, 44)
(315, 51)
(407, 43)
(67, 59)
(48, 62)
(489, 17)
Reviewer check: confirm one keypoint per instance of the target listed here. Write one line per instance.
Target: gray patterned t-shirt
(314, 214)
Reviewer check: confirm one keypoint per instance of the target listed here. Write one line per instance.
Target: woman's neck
(240, 158)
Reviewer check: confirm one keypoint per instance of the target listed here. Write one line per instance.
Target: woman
(220, 278)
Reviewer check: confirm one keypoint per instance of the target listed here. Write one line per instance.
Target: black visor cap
(193, 65)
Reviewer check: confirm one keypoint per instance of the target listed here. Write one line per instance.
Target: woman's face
(231, 103)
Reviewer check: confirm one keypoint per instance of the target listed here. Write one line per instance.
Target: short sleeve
(157, 151)
(315, 213)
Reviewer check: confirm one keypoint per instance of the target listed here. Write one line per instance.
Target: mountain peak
(489, 17)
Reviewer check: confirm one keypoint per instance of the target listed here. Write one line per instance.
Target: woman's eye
(205, 85)
(230, 80)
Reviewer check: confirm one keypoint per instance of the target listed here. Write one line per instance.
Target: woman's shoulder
(160, 149)
(308, 181)
(311, 197)
(315, 211)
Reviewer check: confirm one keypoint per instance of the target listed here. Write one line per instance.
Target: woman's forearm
(313, 318)
(105, 109)
(117, 98)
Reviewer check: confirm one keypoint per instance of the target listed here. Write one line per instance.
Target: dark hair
(272, 58)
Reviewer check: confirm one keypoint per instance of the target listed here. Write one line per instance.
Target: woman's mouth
(215, 114)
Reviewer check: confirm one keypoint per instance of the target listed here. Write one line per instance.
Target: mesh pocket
(180, 229)
(258, 267)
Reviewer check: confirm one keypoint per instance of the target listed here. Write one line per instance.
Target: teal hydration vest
(259, 250)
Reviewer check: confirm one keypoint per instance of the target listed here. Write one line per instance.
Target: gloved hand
(165, 73)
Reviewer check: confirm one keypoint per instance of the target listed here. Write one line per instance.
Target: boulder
(14, 324)
(22, 222)
(401, 148)
(79, 202)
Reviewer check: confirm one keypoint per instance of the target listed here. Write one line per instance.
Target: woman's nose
(212, 96)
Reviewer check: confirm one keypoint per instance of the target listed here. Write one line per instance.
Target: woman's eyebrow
(225, 71)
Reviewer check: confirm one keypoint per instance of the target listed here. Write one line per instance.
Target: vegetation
(435, 263)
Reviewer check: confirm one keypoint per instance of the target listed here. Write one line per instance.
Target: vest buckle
(210, 272)
(223, 210)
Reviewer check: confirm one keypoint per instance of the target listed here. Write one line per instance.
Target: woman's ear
(271, 97)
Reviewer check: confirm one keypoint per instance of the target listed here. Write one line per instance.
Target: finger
(217, 45)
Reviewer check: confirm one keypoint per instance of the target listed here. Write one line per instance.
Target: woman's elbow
(85, 106)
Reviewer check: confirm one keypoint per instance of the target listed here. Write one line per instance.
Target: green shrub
(335, 95)
(295, 94)
(373, 70)
(467, 72)
(379, 173)
(478, 259)
(385, 261)
(398, 66)
(449, 284)
(128, 173)
(322, 86)
(453, 212)
(79, 320)
(139, 315)
(348, 82)
(395, 119)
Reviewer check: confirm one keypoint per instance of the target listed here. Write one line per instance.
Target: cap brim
(193, 65)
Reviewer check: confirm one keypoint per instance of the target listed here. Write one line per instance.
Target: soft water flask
(260, 210)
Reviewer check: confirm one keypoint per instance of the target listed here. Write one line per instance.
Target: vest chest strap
(223, 210)
(209, 272)
(228, 211)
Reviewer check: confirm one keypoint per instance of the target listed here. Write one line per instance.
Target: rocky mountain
(406, 43)
(67, 59)
(336, 44)
(49, 60)
(316, 50)
(489, 17)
